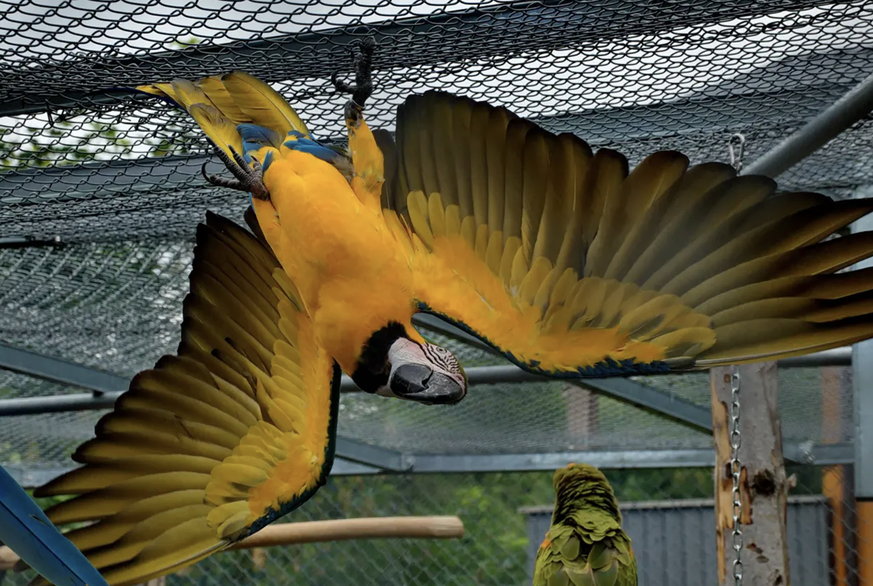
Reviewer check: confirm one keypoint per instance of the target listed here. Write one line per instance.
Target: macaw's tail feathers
(236, 110)
(211, 444)
(30, 534)
(239, 97)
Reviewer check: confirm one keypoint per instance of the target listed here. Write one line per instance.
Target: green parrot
(585, 546)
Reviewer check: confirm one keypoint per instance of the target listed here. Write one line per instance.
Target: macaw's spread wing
(572, 266)
(213, 443)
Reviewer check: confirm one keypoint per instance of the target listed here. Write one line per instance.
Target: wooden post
(763, 484)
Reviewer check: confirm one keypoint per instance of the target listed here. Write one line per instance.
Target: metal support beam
(108, 387)
(835, 357)
(483, 375)
(625, 390)
(832, 454)
(375, 456)
(59, 371)
(690, 458)
(846, 111)
(58, 403)
(31, 478)
(862, 380)
(651, 400)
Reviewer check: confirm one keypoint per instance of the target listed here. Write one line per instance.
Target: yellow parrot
(560, 258)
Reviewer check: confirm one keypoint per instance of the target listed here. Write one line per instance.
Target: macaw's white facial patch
(425, 373)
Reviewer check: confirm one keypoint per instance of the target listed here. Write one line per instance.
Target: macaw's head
(394, 364)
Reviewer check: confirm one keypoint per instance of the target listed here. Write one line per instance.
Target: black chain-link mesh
(637, 76)
(104, 190)
(118, 308)
(667, 511)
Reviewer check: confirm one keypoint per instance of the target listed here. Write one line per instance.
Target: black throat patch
(372, 369)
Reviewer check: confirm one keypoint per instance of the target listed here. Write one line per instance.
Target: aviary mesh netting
(100, 191)
(636, 76)
(100, 194)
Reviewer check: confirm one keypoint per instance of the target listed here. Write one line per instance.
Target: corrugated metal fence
(674, 541)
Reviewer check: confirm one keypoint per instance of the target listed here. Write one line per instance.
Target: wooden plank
(763, 484)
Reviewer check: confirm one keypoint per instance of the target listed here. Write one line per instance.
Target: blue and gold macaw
(562, 259)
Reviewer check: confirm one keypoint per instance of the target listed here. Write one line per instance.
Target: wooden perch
(365, 528)
(446, 527)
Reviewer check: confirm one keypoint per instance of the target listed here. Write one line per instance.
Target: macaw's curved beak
(421, 383)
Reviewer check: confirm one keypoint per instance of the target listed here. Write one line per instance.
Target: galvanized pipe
(835, 357)
(839, 116)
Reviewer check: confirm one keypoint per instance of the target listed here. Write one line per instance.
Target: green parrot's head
(583, 485)
(575, 473)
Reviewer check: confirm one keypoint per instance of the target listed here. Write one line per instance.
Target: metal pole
(835, 357)
(862, 381)
(59, 371)
(624, 389)
(852, 107)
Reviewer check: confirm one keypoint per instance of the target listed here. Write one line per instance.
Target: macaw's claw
(363, 87)
(247, 178)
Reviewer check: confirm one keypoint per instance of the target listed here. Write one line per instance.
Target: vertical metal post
(862, 379)
(834, 478)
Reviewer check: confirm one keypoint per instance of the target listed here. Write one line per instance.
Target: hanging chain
(736, 441)
(736, 147)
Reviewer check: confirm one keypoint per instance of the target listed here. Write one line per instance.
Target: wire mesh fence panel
(667, 512)
(101, 192)
(118, 307)
(83, 160)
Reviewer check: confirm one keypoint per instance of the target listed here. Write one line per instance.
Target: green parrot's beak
(418, 382)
